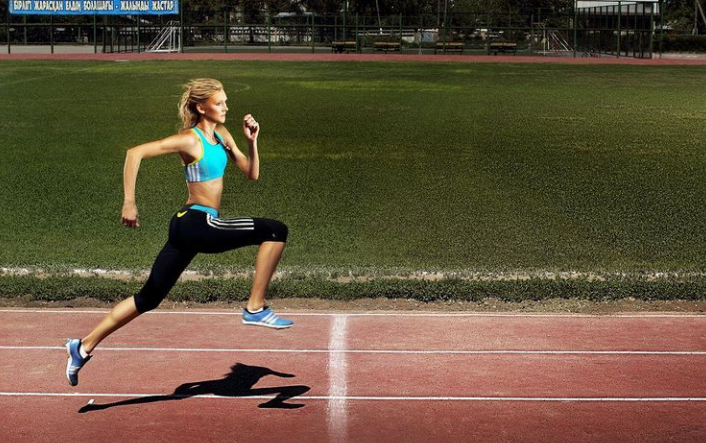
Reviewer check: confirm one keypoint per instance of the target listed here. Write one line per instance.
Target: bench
(449, 47)
(386, 46)
(496, 48)
(340, 46)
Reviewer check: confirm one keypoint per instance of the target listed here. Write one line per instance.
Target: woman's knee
(278, 231)
(151, 295)
(145, 304)
(281, 232)
(167, 268)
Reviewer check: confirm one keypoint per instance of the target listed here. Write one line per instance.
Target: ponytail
(196, 91)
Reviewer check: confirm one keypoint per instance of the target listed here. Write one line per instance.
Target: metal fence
(627, 31)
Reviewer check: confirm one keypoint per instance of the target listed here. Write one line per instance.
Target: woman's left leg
(268, 256)
(270, 236)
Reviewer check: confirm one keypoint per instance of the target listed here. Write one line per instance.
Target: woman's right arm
(185, 143)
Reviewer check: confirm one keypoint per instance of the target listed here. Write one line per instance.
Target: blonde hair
(196, 91)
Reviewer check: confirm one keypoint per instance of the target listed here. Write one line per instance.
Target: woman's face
(215, 108)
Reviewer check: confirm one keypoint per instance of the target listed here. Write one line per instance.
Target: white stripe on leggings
(243, 224)
(232, 221)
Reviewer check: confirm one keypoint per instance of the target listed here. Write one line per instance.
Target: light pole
(446, 4)
(345, 19)
(438, 13)
(377, 5)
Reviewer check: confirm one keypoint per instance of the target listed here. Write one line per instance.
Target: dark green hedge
(684, 43)
(209, 290)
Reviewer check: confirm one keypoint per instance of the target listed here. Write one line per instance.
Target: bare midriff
(206, 193)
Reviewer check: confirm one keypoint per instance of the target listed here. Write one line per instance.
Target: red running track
(357, 377)
(301, 57)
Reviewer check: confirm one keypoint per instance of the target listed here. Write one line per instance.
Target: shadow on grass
(238, 383)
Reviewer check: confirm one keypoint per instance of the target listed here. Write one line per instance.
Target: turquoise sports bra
(211, 164)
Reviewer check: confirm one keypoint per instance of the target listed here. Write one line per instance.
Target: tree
(680, 15)
(323, 7)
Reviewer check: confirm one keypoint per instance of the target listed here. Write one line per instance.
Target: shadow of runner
(238, 383)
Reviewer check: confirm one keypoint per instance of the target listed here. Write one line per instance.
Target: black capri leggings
(192, 231)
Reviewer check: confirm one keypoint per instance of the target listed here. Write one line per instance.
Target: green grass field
(377, 168)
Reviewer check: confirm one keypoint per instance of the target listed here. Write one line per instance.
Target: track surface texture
(201, 375)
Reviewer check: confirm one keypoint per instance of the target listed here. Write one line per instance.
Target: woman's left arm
(250, 164)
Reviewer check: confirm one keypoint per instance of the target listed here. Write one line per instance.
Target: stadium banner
(94, 7)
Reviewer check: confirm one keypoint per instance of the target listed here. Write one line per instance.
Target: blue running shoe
(265, 318)
(75, 362)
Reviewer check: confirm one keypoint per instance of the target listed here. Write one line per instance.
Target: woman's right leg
(122, 314)
(167, 268)
(79, 350)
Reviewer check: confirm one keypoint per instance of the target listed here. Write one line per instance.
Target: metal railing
(539, 31)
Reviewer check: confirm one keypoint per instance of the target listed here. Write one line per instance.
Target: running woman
(204, 146)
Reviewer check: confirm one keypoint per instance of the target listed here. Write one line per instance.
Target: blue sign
(94, 7)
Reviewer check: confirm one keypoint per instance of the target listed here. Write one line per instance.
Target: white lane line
(342, 351)
(368, 314)
(365, 398)
(338, 385)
